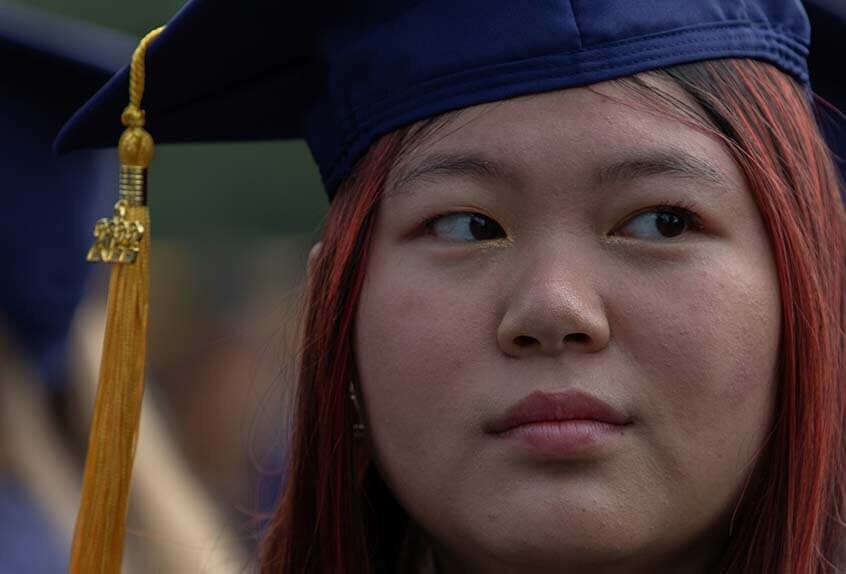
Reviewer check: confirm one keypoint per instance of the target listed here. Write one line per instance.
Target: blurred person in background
(50, 66)
(429, 307)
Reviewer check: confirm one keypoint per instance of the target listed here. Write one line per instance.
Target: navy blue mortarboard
(230, 71)
(50, 67)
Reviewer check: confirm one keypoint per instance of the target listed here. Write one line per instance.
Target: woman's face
(568, 337)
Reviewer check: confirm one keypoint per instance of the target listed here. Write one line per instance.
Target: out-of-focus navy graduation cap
(50, 67)
(341, 74)
(827, 63)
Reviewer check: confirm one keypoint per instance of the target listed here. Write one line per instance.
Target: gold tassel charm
(124, 241)
(117, 240)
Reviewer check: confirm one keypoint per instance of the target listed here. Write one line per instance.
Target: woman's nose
(550, 311)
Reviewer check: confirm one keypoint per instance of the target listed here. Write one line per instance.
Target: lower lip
(564, 439)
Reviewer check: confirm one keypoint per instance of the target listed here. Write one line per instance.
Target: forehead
(577, 131)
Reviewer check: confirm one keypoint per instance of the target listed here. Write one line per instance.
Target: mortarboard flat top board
(342, 74)
(50, 67)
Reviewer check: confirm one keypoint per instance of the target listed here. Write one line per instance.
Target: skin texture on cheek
(705, 355)
(682, 336)
(432, 344)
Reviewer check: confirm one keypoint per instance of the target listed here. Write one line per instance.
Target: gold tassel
(123, 241)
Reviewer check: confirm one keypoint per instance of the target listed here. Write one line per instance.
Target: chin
(539, 546)
(581, 530)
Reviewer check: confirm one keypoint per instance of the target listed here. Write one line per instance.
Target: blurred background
(232, 227)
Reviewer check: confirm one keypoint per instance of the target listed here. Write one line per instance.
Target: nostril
(576, 338)
(524, 341)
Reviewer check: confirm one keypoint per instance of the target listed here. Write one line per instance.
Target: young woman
(596, 330)
(578, 305)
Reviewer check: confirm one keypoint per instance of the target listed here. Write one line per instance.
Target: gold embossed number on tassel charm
(117, 240)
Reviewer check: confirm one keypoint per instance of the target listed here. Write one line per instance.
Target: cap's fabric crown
(342, 74)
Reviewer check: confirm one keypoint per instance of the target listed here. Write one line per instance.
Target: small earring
(358, 427)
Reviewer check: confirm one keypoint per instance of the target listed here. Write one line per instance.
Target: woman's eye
(662, 223)
(465, 226)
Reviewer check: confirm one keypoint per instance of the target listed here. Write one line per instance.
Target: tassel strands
(123, 241)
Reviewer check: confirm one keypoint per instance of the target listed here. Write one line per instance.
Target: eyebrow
(674, 162)
(446, 165)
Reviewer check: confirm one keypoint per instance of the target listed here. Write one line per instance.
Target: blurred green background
(249, 189)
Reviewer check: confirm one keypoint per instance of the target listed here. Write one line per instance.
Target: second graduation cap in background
(340, 75)
(50, 67)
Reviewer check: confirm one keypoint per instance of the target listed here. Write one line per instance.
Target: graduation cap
(50, 67)
(339, 75)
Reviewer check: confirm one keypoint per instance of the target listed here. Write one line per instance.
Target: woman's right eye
(465, 226)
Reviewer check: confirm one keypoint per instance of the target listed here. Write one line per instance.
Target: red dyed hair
(338, 516)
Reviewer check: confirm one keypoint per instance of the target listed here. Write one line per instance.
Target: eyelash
(428, 224)
(683, 209)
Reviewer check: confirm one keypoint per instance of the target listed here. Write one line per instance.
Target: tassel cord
(125, 242)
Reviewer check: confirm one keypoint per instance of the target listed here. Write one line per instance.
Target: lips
(569, 405)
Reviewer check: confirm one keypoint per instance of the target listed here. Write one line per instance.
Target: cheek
(402, 326)
(409, 329)
(707, 343)
(417, 346)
